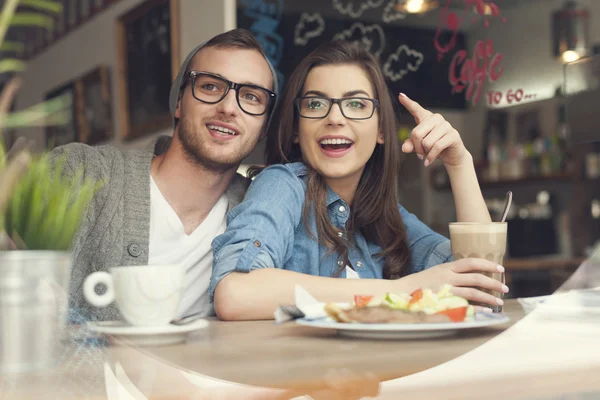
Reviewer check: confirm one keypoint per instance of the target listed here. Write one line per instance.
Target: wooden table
(292, 359)
(264, 354)
(306, 359)
(258, 353)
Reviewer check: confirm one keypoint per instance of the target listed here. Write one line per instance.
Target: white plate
(405, 331)
(147, 335)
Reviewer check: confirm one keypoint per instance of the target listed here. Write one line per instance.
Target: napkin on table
(306, 303)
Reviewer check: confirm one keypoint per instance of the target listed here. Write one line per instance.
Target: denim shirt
(267, 230)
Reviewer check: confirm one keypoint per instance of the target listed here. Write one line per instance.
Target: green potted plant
(40, 212)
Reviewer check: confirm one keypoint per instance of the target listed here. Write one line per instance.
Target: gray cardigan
(116, 228)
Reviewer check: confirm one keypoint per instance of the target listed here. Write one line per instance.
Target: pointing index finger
(414, 108)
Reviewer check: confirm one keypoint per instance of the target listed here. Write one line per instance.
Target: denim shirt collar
(332, 197)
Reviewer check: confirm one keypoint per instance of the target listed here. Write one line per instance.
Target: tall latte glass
(481, 240)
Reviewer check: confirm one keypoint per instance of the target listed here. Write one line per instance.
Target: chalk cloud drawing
(355, 8)
(369, 37)
(401, 62)
(390, 14)
(308, 27)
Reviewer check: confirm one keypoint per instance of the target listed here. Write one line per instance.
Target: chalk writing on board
(369, 37)
(401, 62)
(309, 26)
(449, 20)
(468, 74)
(373, 34)
(266, 16)
(512, 96)
(390, 14)
(355, 8)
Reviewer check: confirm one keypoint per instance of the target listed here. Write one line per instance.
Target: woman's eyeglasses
(356, 108)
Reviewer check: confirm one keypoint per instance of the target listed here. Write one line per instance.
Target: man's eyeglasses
(211, 89)
(351, 107)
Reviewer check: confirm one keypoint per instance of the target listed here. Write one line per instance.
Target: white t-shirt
(170, 245)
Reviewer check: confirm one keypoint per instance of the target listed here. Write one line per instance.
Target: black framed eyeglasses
(315, 107)
(211, 89)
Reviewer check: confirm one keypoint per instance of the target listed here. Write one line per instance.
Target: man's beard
(196, 152)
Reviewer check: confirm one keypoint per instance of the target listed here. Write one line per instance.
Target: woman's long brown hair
(374, 211)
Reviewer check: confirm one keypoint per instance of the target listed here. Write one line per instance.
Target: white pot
(34, 289)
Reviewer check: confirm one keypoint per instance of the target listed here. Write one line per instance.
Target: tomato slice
(362, 301)
(455, 314)
(415, 296)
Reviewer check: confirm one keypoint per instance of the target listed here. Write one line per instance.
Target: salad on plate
(420, 306)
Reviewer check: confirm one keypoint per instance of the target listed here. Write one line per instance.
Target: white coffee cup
(146, 295)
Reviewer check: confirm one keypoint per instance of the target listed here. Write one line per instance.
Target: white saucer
(147, 335)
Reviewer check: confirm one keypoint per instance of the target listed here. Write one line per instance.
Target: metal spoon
(187, 319)
(507, 205)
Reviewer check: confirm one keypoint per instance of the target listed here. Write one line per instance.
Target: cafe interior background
(517, 78)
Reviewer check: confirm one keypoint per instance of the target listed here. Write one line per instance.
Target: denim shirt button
(257, 243)
(340, 262)
(340, 234)
(359, 264)
(342, 209)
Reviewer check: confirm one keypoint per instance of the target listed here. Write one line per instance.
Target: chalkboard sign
(408, 56)
(148, 50)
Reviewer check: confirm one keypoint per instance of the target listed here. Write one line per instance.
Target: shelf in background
(529, 179)
(541, 263)
(563, 176)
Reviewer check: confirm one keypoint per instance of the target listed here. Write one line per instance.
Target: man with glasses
(165, 204)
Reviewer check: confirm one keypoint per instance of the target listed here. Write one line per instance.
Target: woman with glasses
(324, 213)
